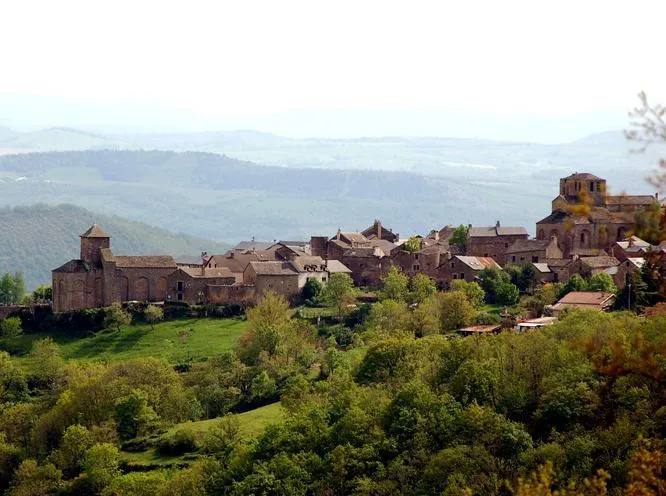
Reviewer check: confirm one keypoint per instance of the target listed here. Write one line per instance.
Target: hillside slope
(39, 238)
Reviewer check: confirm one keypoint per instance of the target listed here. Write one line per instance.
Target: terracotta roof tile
(145, 261)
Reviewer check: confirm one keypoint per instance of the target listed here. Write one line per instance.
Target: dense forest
(384, 400)
(35, 240)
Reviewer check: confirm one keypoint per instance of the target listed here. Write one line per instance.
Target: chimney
(497, 223)
(203, 262)
(337, 236)
(631, 242)
(253, 246)
(378, 225)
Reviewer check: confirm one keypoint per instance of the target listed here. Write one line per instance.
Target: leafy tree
(73, 446)
(506, 294)
(153, 314)
(138, 483)
(474, 293)
(267, 324)
(312, 289)
(394, 286)
(421, 287)
(101, 466)
(426, 317)
(262, 387)
(339, 292)
(460, 237)
(133, 415)
(43, 292)
(388, 318)
(490, 279)
(456, 311)
(575, 283)
(412, 245)
(32, 479)
(12, 288)
(47, 363)
(11, 327)
(634, 295)
(602, 282)
(117, 316)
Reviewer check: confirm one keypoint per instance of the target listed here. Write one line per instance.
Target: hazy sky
(251, 62)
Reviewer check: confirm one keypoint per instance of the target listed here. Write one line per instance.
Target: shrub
(180, 442)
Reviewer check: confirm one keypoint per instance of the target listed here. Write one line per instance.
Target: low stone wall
(6, 310)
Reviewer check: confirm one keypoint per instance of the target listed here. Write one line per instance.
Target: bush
(10, 327)
(180, 442)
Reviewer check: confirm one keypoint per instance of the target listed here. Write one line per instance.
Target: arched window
(542, 234)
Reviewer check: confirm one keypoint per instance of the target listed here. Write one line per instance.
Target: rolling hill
(39, 238)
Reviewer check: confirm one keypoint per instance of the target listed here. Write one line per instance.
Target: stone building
(605, 220)
(463, 267)
(99, 278)
(493, 242)
(533, 251)
(192, 285)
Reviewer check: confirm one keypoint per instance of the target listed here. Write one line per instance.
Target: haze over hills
(37, 239)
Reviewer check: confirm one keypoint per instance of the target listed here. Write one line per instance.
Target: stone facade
(99, 278)
(493, 242)
(606, 219)
(463, 267)
(533, 251)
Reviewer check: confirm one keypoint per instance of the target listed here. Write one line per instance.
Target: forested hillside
(37, 239)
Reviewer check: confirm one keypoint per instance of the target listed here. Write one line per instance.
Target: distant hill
(37, 239)
(57, 138)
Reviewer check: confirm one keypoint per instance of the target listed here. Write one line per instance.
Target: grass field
(252, 424)
(175, 341)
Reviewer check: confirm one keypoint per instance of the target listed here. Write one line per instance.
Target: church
(604, 220)
(99, 278)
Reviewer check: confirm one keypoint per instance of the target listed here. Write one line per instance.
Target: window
(513, 258)
(180, 296)
(416, 256)
(522, 259)
(535, 259)
(591, 186)
(416, 267)
(455, 276)
(179, 286)
(462, 275)
(506, 245)
(453, 265)
(485, 254)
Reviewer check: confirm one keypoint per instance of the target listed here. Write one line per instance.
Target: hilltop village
(568, 241)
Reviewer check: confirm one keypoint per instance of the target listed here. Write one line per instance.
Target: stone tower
(92, 242)
(572, 186)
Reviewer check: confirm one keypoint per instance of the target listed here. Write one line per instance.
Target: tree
(339, 292)
(394, 285)
(32, 479)
(6, 289)
(133, 415)
(312, 289)
(474, 293)
(43, 292)
(101, 465)
(47, 363)
(388, 318)
(459, 237)
(153, 314)
(456, 311)
(421, 287)
(506, 294)
(11, 327)
(73, 446)
(18, 292)
(117, 316)
(490, 280)
(602, 282)
(267, 324)
(575, 283)
(412, 245)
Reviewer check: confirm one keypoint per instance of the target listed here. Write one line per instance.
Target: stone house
(425, 261)
(526, 251)
(631, 247)
(543, 272)
(463, 267)
(493, 242)
(99, 278)
(585, 300)
(191, 285)
(560, 269)
(591, 266)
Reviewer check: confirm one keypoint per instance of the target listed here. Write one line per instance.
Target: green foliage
(70, 454)
(262, 387)
(456, 311)
(153, 314)
(10, 327)
(178, 443)
(493, 281)
(12, 288)
(388, 318)
(412, 245)
(474, 293)
(575, 283)
(602, 282)
(268, 322)
(394, 286)
(47, 363)
(312, 289)
(135, 484)
(133, 415)
(459, 238)
(421, 287)
(43, 292)
(117, 316)
(506, 294)
(32, 479)
(101, 466)
(339, 292)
